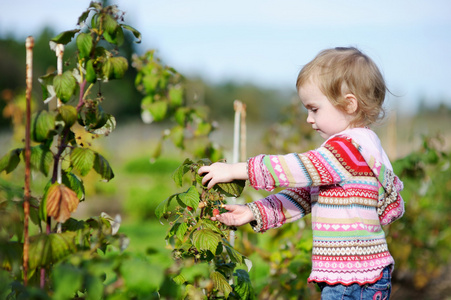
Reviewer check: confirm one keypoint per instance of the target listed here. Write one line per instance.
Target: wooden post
(29, 44)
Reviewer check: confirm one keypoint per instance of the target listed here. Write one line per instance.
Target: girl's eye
(313, 109)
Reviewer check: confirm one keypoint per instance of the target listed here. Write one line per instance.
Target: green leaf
(42, 126)
(65, 37)
(181, 115)
(41, 158)
(109, 24)
(10, 161)
(178, 174)
(158, 110)
(206, 239)
(179, 279)
(50, 248)
(74, 183)
(234, 255)
(162, 208)
(176, 95)
(84, 44)
(181, 230)
(65, 85)
(190, 198)
(221, 284)
(231, 189)
(203, 129)
(83, 160)
(243, 286)
(102, 167)
(83, 17)
(141, 277)
(91, 75)
(177, 136)
(120, 66)
(68, 114)
(135, 32)
(46, 82)
(67, 281)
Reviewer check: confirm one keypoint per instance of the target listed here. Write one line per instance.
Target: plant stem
(26, 205)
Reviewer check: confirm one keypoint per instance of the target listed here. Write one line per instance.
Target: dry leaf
(61, 202)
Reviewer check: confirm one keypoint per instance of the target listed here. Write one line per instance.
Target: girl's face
(325, 118)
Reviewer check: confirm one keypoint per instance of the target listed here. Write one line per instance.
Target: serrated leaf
(102, 167)
(10, 161)
(220, 283)
(74, 183)
(41, 159)
(68, 114)
(48, 91)
(65, 37)
(181, 230)
(84, 43)
(119, 66)
(178, 174)
(234, 255)
(179, 279)
(231, 189)
(83, 160)
(50, 248)
(42, 126)
(106, 129)
(190, 198)
(91, 75)
(243, 286)
(109, 24)
(135, 32)
(83, 17)
(206, 239)
(65, 85)
(163, 206)
(60, 202)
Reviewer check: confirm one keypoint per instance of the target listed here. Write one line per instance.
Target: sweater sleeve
(323, 166)
(275, 210)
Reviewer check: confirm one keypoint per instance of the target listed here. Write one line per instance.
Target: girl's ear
(352, 105)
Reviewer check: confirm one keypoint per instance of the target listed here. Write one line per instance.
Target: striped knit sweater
(349, 190)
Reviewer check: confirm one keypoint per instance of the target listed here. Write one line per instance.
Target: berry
(189, 208)
(215, 212)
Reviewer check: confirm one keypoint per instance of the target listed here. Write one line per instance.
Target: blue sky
(267, 42)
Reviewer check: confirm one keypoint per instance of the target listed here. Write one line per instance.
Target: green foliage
(164, 98)
(204, 257)
(419, 240)
(66, 251)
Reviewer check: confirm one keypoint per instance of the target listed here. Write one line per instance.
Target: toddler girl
(347, 184)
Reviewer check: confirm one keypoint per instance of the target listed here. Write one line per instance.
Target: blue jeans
(380, 290)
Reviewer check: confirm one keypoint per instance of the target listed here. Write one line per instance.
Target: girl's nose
(310, 119)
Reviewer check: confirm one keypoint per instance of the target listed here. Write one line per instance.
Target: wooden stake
(29, 44)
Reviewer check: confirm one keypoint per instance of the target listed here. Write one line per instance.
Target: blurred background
(252, 51)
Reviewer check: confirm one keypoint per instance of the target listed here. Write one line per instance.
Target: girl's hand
(222, 172)
(237, 215)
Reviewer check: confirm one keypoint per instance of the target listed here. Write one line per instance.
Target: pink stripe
(351, 155)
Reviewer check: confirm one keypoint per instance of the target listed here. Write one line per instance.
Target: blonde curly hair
(340, 71)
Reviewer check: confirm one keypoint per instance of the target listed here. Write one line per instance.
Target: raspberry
(189, 208)
(215, 212)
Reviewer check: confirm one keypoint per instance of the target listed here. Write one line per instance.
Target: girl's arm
(333, 163)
